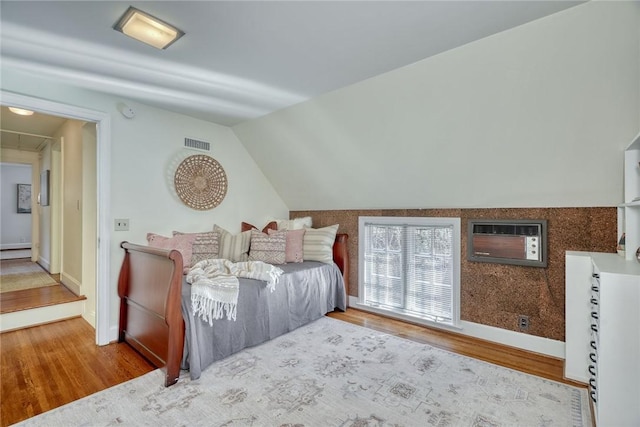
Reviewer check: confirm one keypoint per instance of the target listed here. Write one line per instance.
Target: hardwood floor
(47, 366)
(509, 357)
(50, 365)
(36, 297)
(26, 299)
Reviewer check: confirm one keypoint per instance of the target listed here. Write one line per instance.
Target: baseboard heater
(518, 242)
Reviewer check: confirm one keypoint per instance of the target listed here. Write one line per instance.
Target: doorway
(102, 167)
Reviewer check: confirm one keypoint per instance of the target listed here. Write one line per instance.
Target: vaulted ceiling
(243, 59)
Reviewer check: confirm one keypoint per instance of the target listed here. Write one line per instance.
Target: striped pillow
(269, 248)
(234, 247)
(318, 244)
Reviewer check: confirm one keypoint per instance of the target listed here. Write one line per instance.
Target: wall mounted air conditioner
(519, 242)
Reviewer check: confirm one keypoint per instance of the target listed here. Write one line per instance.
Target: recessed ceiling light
(21, 111)
(147, 29)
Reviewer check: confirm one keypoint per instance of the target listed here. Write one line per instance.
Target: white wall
(534, 116)
(15, 231)
(70, 135)
(141, 150)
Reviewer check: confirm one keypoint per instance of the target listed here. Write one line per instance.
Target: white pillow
(318, 244)
(294, 224)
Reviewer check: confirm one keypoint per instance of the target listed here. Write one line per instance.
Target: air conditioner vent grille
(195, 144)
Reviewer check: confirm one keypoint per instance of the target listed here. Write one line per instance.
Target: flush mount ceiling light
(21, 111)
(147, 29)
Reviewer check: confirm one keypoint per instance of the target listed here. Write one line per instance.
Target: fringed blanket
(215, 285)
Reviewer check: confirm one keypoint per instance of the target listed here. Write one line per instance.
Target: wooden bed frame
(150, 291)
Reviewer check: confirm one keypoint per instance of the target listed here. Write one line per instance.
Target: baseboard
(519, 340)
(90, 317)
(7, 246)
(113, 333)
(71, 283)
(44, 264)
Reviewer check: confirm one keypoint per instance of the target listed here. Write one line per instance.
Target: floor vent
(195, 144)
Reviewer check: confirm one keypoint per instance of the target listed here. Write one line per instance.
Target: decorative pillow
(294, 224)
(245, 226)
(318, 243)
(182, 243)
(234, 247)
(268, 248)
(294, 249)
(205, 246)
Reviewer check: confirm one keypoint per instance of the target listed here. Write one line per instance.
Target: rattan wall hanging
(200, 182)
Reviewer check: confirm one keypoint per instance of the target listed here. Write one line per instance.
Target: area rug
(16, 275)
(332, 373)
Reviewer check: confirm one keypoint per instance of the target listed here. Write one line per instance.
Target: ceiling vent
(196, 144)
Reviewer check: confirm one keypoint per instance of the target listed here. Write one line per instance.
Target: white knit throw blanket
(215, 285)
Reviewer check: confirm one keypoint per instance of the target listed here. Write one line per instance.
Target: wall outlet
(122, 224)
(523, 322)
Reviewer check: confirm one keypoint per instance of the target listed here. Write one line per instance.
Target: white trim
(72, 283)
(38, 316)
(9, 246)
(44, 264)
(103, 140)
(519, 340)
(515, 339)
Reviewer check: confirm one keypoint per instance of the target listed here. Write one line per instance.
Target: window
(410, 267)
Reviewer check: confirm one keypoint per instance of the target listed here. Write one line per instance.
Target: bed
(157, 320)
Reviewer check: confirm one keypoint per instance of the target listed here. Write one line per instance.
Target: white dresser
(602, 336)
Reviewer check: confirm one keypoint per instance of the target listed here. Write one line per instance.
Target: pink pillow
(293, 251)
(183, 243)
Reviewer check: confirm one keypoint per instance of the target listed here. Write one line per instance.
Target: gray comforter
(305, 292)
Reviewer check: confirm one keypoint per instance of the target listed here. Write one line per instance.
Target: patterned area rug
(19, 274)
(332, 373)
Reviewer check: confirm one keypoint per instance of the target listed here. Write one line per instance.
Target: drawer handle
(593, 395)
(592, 356)
(592, 370)
(592, 383)
(594, 314)
(593, 345)
(594, 288)
(594, 301)
(596, 275)
(594, 328)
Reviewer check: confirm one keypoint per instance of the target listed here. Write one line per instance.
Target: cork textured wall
(495, 294)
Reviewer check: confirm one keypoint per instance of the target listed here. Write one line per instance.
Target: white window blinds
(410, 266)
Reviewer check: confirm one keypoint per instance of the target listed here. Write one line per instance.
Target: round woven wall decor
(200, 182)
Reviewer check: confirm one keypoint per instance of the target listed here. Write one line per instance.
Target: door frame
(103, 172)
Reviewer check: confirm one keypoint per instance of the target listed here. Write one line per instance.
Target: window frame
(453, 222)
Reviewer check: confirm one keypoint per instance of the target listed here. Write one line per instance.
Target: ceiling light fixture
(147, 29)
(21, 111)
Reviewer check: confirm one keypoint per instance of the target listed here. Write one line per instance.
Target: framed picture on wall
(24, 198)
(44, 188)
